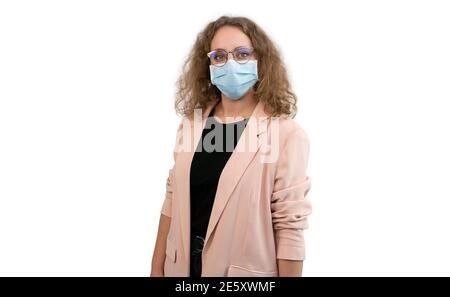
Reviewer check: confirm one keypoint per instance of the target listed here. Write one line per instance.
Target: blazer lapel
(244, 152)
(192, 131)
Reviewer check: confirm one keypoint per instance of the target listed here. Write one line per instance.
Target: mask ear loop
(256, 85)
(257, 70)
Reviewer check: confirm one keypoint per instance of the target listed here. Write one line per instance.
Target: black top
(215, 147)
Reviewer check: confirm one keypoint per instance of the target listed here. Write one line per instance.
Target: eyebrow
(232, 49)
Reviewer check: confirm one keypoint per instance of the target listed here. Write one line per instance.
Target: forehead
(230, 37)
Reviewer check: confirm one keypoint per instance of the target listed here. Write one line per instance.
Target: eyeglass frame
(252, 51)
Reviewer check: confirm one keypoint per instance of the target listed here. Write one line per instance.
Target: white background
(87, 129)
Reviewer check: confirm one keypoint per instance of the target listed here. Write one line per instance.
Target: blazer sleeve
(289, 203)
(166, 208)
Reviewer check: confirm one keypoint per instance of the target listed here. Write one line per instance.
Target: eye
(218, 56)
(243, 53)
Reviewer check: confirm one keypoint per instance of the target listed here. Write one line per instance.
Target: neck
(236, 108)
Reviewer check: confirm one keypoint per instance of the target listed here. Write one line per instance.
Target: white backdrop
(87, 128)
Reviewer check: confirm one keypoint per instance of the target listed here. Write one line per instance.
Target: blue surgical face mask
(234, 80)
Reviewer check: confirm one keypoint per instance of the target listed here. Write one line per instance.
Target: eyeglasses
(220, 56)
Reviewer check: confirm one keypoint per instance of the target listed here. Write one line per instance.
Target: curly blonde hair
(194, 87)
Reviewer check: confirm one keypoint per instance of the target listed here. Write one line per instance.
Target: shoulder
(289, 129)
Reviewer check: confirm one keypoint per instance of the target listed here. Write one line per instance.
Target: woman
(236, 201)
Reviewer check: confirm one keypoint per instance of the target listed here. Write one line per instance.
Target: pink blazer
(260, 208)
